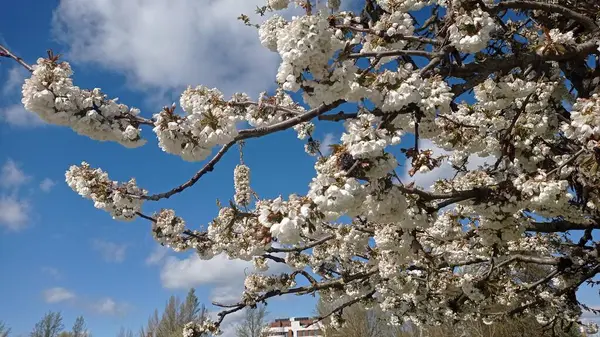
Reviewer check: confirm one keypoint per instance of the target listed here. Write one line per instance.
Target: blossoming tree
(457, 251)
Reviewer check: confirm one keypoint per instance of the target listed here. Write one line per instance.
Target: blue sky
(57, 252)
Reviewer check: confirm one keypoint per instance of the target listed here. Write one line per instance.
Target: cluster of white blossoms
(278, 4)
(471, 30)
(405, 5)
(209, 121)
(122, 201)
(288, 220)
(206, 327)
(267, 32)
(271, 109)
(305, 43)
(364, 231)
(585, 120)
(256, 284)
(241, 183)
(545, 195)
(50, 93)
(168, 228)
(363, 139)
(394, 24)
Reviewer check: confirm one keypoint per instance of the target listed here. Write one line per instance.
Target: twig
(301, 248)
(587, 22)
(396, 36)
(341, 307)
(396, 52)
(245, 134)
(568, 161)
(7, 53)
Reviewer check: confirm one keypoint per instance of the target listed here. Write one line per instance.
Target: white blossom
(50, 93)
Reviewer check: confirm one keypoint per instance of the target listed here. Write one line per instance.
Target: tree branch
(560, 226)
(301, 248)
(382, 34)
(396, 52)
(245, 134)
(4, 52)
(587, 22)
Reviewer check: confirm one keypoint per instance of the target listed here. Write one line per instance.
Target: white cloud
(15, 79)
(192, 271)
(16, 115)
(169, 44)
(55, 273)
(110, 251)
(325, 144)
(108, 306)
(14, 212)
(102, 306)
(11, 175)
(58, 294)
(158, 255)
(224, 275)
(47, 184)
(226, 294)
(445, 171)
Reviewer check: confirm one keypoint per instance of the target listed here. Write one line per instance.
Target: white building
(295, 327)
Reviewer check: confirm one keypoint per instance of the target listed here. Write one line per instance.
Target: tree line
(359, 322)
(168, 323)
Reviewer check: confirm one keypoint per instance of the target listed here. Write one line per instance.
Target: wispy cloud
(11, 175)
(108, 306)
(47, 184)
(15, 79)
(16, 115)
(14, 209)
(101, 306)
(325, 146)
(158, 255)
(14, 212)
(53, 272)
(110, 251)
(13, 113)
(58, 294)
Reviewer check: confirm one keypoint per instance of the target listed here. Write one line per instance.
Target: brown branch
(288, 123)
(338, 283)
(396, 52)
(382, 34)
(554, 261)
(546, 6)
(341, 307)
(301, 248)
(340, 116)
(492, 65)
(4, 52)
(245, 134)
(566, 162)
(274, 258)
(560, 226)
(430, 196)
(207, 168)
